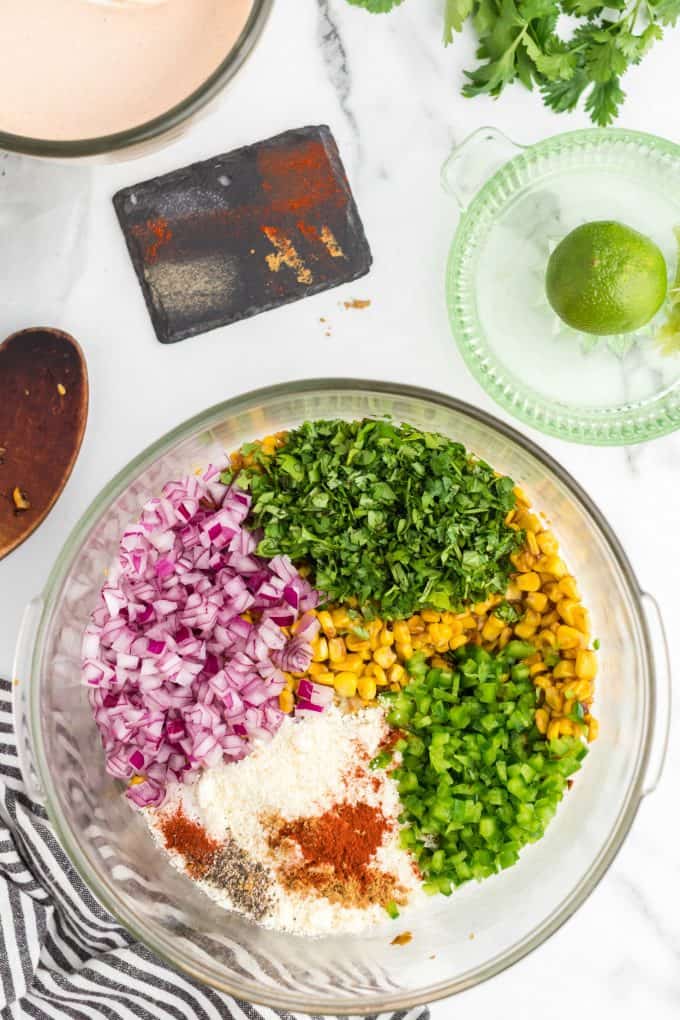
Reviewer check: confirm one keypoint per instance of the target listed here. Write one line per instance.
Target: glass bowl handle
(20, 684)
(662, 693)
(474, 161)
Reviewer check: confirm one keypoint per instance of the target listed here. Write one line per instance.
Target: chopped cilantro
(507, 612)
(398, 518)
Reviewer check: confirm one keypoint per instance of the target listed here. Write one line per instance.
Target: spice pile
(347, 670)
(302, 835)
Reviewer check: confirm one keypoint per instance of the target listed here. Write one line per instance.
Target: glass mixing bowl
(148, 136)
(509, 914)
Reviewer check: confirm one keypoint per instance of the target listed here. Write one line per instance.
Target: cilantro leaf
(563, 95)
(456, 13)
(376, 6)
(518, 41)
(604, 100)
(668, 335)
(408, 519)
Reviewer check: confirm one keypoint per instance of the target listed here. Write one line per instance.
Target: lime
(605, 277)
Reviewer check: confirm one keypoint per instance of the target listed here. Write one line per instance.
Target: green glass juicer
(516, 204)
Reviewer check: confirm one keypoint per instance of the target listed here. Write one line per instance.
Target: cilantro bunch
(584, 56)
(397, 518)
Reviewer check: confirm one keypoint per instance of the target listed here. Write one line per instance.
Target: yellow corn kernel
(538, 667)
(521, 497)
(552, 590)
(524, 631)
(492, 629)
(402, 634)
(522, 561)
(505, 636)
(482, 608)
(582, 619)
(345, 684)
(529, 581)
(467, 621)
(430, 616)
(554, 699)
(509, 517)
(404, 651)
(341, 619)
(528, 522)
(385, 657)
(419, 641)
(136, 780)
(550, 618)
(566, 609)
(319, 649)
(541, 719)
(458, 642)
(532, 544)
(386, 637)
(377, 672)
(546, 638)
(586, 665)
(336, 649)
(396, 673)
(543, 680)
(438, 663)
(290, 681)
(552, 565)
(351, 663)
(548, 543)
(328, 679)
(593, 729)
(366, 688)
(569, 588)
(440, 633)
(286, 701)
(358, 645)
(532, 618)
(268, 445)
(326, 622)
(569, 637)
(374, 628)
(416, 625)
(558, 728)
(317, 667)
(537, 601)
(563, 670)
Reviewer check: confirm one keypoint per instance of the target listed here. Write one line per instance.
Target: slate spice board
(244, 232)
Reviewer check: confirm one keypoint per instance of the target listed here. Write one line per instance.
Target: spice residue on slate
(154, 234)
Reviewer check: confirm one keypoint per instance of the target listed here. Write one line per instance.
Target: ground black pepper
(247, 883)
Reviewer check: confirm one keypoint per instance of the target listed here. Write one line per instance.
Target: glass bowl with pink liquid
(113, 78)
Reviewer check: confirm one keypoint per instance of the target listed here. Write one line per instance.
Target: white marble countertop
(389, 91)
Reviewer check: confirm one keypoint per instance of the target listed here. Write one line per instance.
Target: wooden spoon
(43, 412)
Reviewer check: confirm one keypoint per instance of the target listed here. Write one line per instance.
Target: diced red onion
(178, 679)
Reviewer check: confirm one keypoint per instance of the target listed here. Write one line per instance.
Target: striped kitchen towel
(62, 956)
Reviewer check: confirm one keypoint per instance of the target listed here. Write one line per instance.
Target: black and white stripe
(62, 957)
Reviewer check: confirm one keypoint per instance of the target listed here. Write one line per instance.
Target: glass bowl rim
(580, 426)
(162, 947)
(165, 122)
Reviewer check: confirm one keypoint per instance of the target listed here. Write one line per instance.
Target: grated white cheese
(306, 768)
